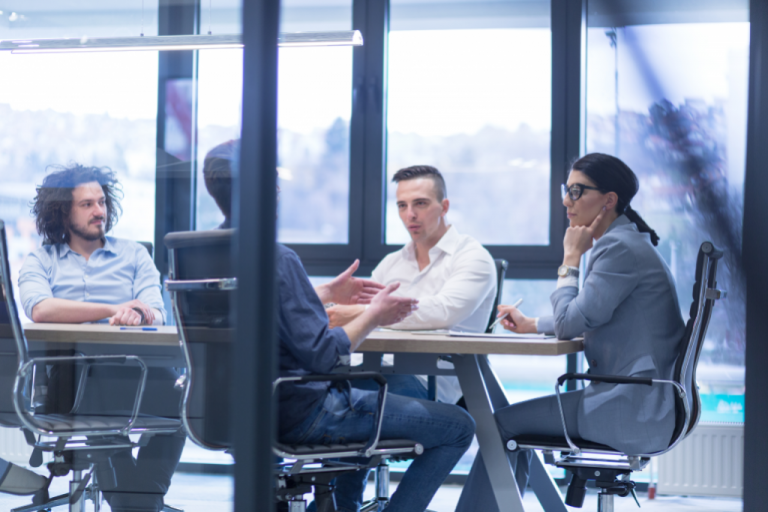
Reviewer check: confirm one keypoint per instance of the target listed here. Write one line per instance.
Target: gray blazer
(630, 317)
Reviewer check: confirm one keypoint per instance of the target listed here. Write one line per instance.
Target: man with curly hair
(82, 275)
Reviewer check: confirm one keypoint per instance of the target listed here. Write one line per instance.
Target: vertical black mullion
(369, 134)
(568, 89)
(755, 249)
(254, 363)
(173, 179)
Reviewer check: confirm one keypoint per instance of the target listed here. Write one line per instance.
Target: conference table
(415, 353)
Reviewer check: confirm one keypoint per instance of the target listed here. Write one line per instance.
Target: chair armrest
(187, 285)
(611, 379)
(373, 439)
(23, 373)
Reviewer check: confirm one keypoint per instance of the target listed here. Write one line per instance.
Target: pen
(505, 315)
(138, 328)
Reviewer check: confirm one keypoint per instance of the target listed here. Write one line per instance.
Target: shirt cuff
(567, 281)
(536, 323)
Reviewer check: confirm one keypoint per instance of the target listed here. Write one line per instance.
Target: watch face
(562, 271)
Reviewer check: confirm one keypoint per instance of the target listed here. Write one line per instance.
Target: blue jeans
(347, 415)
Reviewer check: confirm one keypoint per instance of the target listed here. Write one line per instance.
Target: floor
(210, 493)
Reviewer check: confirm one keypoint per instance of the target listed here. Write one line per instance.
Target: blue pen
(138, 328)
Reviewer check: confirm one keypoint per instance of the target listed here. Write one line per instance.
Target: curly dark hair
(53, 203)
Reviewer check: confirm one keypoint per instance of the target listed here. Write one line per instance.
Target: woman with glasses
(628, 312)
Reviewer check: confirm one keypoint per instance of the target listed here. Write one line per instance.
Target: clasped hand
(125, 314)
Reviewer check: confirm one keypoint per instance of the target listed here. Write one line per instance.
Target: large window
(314, 111)
(669, 97)
(92, 109)
(470, 93)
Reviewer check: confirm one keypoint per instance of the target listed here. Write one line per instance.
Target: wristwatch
(565, 271)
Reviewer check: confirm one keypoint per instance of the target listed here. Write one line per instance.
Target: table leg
(540, 480)
(544, 486)
(479, 402)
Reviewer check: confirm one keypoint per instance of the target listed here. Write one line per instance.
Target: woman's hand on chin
(578, 240)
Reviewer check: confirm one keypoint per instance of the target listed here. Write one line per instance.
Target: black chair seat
(74, 423)
(330, 449)
(560, 444)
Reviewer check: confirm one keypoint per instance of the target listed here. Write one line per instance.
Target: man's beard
(85, 235)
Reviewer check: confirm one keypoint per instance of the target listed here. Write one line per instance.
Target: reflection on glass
(470, 94)
(671, 101)
(314, 110)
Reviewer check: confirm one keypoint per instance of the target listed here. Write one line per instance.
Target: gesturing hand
(389, 309)
(578, 239)
(345, 289)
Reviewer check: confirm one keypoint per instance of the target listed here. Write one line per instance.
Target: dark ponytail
(641, 225)
(610, 174)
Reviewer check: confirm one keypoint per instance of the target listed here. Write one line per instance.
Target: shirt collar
(447, 244)
(64, 248)
(621, 220)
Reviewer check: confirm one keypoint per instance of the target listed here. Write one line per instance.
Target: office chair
(501, 272)
(80, 441)
(201, 284)
(611, 469)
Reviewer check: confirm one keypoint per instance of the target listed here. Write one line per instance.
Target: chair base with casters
(316, 466)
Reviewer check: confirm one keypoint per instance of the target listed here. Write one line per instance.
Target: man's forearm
(70, 311)
(359, 328)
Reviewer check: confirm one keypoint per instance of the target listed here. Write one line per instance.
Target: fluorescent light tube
(170, 43)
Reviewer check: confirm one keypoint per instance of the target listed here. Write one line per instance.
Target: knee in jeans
(467, 423)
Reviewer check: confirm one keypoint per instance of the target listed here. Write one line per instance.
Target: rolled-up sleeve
(469, 283)
(303, 323)
(34, 282)
(146, 282)
(611, 279)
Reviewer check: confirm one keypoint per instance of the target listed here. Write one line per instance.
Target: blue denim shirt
(119, 272)
(307, 344)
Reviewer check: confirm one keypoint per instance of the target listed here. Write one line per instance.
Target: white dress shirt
(456, 290)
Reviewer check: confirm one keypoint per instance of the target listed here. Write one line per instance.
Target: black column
(368, 147)
(569, 29)
(255, 205)
(755, 261)
(174, 176)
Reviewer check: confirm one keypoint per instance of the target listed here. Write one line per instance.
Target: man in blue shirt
(316, 412)
(81, 275)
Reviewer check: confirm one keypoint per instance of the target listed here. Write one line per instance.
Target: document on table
(501, 335)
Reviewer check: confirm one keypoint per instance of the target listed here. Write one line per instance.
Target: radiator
(709, 462)
(13, 446)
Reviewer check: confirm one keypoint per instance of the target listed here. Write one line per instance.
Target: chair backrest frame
(501, 272)
(176, 287)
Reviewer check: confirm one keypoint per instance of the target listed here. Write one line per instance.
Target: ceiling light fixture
(169, 43)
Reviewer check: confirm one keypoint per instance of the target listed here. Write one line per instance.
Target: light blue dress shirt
(119, 272)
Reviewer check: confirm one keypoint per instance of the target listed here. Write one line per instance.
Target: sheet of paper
(502, 335)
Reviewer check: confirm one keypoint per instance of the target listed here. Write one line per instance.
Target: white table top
(377, 341)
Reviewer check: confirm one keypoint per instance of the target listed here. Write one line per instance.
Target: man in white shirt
(452, 275)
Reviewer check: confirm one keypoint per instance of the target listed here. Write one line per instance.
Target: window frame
(368, 142)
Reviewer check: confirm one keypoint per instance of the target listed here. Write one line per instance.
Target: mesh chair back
(12, 353)
(501, 272)
(203, 319)
(693, 339)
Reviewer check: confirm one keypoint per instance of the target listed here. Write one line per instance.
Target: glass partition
(667, 93)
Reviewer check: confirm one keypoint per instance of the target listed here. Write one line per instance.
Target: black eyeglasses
(575, 191)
